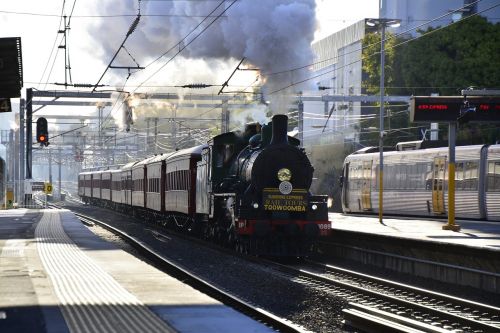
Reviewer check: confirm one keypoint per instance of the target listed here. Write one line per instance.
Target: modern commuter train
(249, 190)
(416, 182)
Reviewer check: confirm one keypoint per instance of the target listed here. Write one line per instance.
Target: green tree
(453, 58)
(444, 61)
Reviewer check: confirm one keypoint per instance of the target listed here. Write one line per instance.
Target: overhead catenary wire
(103, 16)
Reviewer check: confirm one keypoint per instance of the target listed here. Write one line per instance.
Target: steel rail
(436, 307)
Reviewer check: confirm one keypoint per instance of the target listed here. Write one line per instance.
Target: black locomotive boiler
(248, 190)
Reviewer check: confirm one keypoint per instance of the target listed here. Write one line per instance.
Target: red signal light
(42, 138)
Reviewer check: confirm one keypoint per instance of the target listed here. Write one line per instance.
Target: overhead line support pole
(381, 128)
(21, 147)
(29, 138)
(451, 178)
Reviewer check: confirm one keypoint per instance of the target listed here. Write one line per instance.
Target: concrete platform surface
(57, 276)
(478, 234)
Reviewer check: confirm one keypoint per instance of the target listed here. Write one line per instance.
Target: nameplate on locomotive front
(274, 200)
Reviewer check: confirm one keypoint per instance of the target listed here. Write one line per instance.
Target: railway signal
(42, 132)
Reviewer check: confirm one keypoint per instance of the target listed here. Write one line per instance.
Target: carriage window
(411, 176)
(459, 176)
(493, 177)
(470, 175)
(391, 177)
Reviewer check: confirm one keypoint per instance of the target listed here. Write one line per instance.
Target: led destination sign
(451, 108)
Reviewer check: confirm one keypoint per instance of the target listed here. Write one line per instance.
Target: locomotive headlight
(314, 207)
(255, 205)
(284, 175)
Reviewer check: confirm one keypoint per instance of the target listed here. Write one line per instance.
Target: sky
(93, 40)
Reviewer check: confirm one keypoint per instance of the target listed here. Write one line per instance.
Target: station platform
(58, 276)
(475, 234)
(419, 248)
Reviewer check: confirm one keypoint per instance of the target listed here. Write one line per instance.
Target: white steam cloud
(274, 36)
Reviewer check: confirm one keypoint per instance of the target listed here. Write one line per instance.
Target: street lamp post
(382, 23)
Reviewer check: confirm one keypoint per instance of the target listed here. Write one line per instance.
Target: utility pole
(29, 137)
(16, 165)
(224, 117)
(174, 129)
(84, 139)
(21, 148)
(301, 122)
(147, 134)
(67, 67)
(50, 165)
(100, 109)
(382, 24)
(381, 126)
(60, 164)
(114, 148)
(156, 134)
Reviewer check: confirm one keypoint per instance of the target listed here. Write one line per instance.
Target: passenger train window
(470, 175)
(493, 177)
(459, 176)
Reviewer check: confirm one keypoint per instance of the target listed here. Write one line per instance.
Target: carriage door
(345, 185)
(366, 202)
(438, 180)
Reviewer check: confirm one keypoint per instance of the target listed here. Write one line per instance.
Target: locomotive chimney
(280, 133)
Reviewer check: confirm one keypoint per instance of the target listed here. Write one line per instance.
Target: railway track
(382, 305)
(171, 268)
(378, 305)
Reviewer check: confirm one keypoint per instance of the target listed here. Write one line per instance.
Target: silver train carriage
(416, 182)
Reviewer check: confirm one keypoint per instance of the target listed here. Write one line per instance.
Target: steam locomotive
(248, 190)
